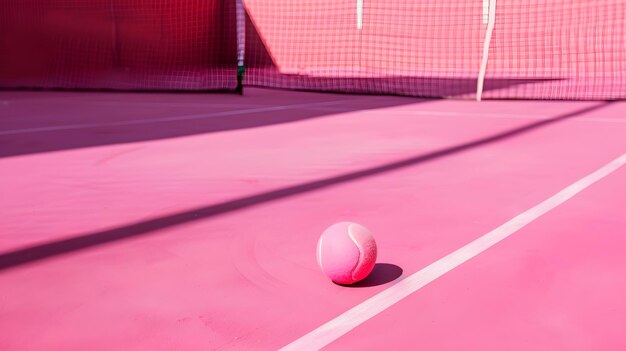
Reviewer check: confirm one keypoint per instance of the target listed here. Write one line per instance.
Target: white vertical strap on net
(241, 32)
(359, 14)
(491, 20)
(485, 19)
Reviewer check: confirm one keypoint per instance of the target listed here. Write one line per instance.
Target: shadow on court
(382, 273)
(39, 127)
(87, 240)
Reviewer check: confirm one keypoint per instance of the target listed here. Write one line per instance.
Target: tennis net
(550, 49)
(504, 49)
(119, 44)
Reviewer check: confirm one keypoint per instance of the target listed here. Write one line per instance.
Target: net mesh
(544, 49)
(118, 44)
(423, 48)
(574, 48)
(550, 49)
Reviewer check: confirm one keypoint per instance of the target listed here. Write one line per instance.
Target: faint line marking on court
(425, 113)
(492, 115)
(169, 119)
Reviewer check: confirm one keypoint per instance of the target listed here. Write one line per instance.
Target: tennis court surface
(145, 205)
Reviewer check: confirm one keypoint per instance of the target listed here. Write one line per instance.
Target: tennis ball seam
(319, 252)
(361, 251)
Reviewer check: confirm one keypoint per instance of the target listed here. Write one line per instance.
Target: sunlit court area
(312, 174)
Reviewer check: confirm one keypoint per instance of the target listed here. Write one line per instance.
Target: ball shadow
(382, 273)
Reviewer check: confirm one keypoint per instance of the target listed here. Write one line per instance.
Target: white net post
(489, 16)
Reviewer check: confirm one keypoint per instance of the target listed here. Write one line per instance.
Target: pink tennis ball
(346, 252)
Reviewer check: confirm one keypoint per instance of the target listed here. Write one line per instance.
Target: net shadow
(143, 228)
(129, 118)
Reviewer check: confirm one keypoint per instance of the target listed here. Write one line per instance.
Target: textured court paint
(357, 315)
(248, 279)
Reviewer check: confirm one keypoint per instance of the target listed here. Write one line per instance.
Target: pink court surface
(136, 221)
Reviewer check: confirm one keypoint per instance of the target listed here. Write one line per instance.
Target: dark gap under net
(546, 49)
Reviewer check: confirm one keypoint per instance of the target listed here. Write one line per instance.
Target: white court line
(376, 111)
(169, 119)
(507, 116)
(342, 324)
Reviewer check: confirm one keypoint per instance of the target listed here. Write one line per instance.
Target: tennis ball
(346, 252)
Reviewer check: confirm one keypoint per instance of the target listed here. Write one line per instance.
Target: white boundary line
(169, 119)
(483, 63)
(376, 304)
